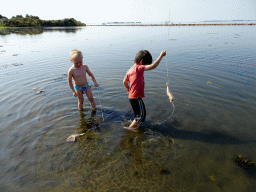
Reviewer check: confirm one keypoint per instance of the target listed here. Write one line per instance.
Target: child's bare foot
(81, 109)
(133, 129)
(94, 109)
(81, 113)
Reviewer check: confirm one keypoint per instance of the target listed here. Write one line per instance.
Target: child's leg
(80, 97)
(134, 124)
(139, 111)
(90, 98)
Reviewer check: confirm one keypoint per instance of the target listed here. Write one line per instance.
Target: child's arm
(91, 76)
(70, 83)
(126, 84)
(156, 62)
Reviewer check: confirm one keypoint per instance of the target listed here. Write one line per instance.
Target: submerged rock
(16, 64)
(73, 138)
(243, 161)
(165, 170)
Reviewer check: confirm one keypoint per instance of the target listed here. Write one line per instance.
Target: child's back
(134, 83)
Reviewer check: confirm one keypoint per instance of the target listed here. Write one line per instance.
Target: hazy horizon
(156, 11)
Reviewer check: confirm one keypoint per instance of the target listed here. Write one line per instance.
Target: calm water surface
(212, 77)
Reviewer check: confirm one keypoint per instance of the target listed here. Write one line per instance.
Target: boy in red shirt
(134, 83)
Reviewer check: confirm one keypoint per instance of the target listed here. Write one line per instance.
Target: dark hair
(144, 57)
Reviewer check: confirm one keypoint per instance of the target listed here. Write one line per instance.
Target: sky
(145, 11)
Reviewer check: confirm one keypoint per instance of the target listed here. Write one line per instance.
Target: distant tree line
(35, 21)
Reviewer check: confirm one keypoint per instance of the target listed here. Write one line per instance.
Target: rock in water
(243, 161)
(73, 138)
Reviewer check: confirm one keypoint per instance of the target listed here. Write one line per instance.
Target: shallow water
(212, 78)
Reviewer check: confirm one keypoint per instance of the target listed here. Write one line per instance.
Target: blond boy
(78, 73)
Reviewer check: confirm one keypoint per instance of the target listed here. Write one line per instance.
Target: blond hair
(75, 54)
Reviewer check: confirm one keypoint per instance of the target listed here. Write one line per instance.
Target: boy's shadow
(207, 136)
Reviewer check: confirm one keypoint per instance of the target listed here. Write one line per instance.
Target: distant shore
(35, 21)
(201, 24)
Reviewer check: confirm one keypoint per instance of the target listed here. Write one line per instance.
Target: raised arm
(156, 62)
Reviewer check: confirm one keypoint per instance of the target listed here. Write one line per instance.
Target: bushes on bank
(35, 21)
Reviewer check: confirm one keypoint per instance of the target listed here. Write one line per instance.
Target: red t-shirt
(135, 77)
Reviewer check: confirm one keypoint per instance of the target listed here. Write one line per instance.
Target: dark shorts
(138, 109)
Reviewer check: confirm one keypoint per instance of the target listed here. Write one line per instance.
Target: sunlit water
(212, 78)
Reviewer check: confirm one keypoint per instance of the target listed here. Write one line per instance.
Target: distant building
(121, 23)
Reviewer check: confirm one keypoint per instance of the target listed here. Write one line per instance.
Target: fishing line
(167, 84)
(168, 79)
(100, 105)
(99, 100)
(168, 90)
(167, 71)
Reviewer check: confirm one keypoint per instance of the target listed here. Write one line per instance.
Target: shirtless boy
(78, 73)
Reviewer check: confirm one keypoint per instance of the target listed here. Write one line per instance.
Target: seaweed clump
(243, 161)
(246, 164)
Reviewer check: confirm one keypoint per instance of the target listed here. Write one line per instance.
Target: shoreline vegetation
(35, 21)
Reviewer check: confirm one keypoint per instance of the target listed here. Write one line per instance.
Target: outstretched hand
(163, 53)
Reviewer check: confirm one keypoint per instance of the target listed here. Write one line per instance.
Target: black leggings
(138, 109)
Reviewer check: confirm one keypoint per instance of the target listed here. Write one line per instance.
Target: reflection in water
(36, 30)
(20, 31)
(85, 126)
(62, 29)
(90, 123)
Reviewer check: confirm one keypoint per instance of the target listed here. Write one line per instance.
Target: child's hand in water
(96, 85)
